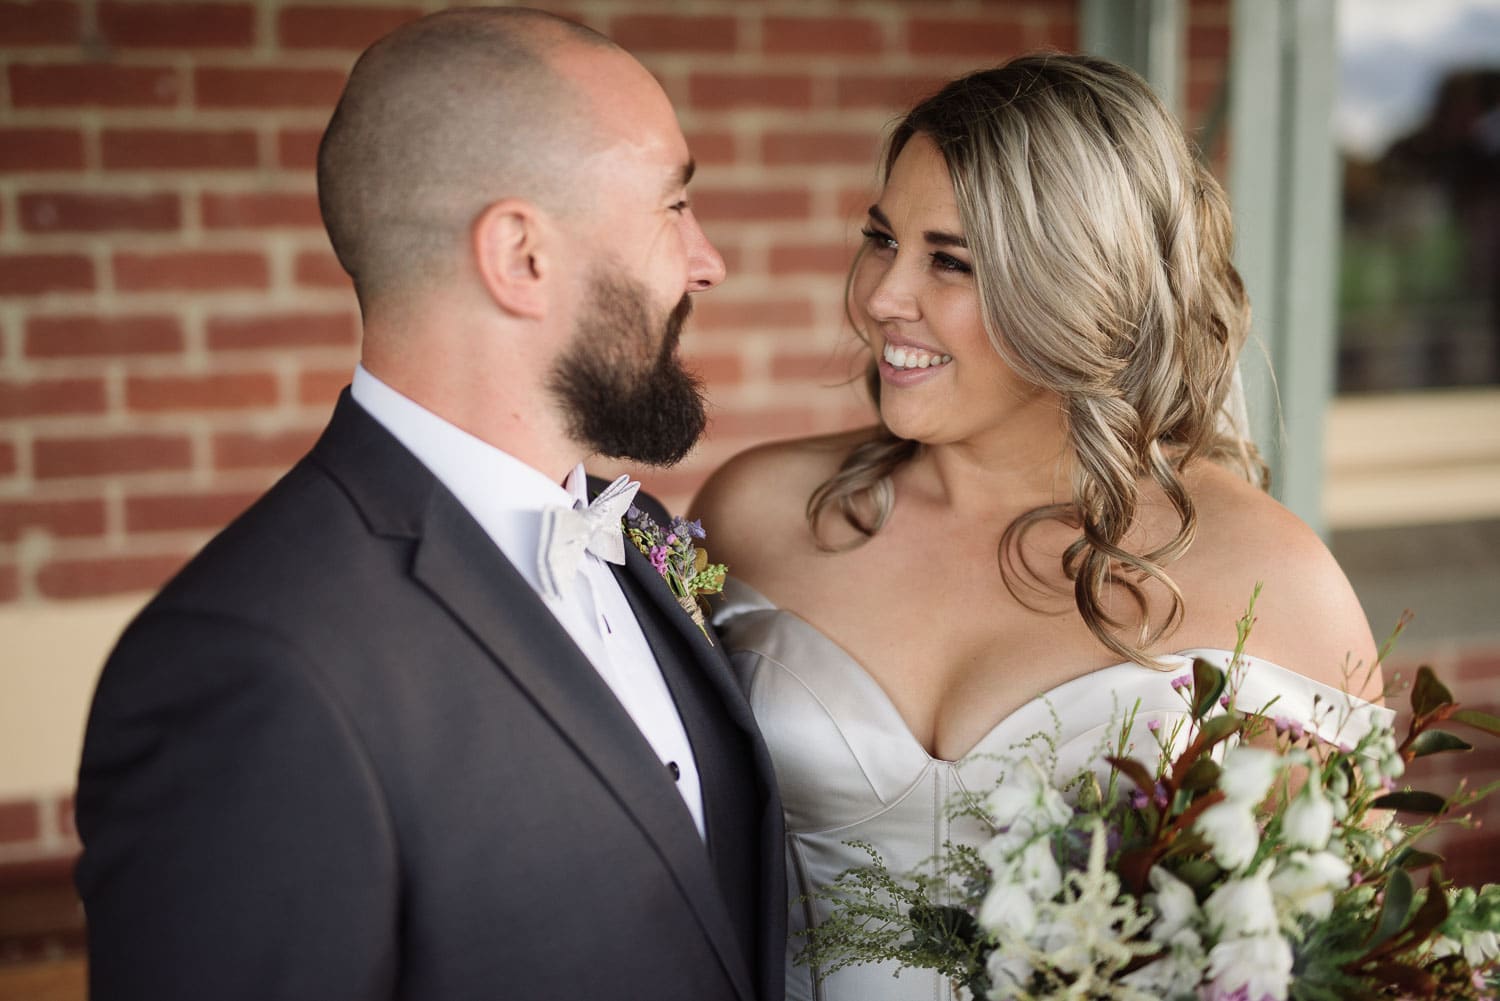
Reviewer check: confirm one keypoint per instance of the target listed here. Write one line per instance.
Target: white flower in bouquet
(1248, 774)
(1230, 826)
(1009, 970)
(1231, 829)
(1380, 758)
(1008, 909)
(1175, 903)
(1304, 884)
(1242, 907)
(1253, 966)
(1250, 959)
(1370, 844)
(1089, 934)
(1036, 870)
(1178, 972)
(1025, 801)
(1476, 948)
(1481, 947)
(1472, 929)
(1308, 821)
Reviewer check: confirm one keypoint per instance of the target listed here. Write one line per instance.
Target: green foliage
(916, 920)
(1437, 742)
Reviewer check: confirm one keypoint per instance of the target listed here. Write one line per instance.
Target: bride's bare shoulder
(1308, 617)
(758, 499)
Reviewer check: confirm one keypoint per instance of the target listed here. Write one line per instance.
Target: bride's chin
(903, 423)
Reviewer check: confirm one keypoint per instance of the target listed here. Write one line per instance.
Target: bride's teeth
(913, 358)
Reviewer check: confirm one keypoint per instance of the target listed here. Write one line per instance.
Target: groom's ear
(512, 253)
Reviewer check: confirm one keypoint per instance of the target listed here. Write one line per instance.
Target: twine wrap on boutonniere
(681, 564)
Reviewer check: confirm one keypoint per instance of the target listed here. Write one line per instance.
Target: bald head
(439, 119)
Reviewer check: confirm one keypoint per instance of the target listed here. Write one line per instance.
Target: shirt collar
(505, 495)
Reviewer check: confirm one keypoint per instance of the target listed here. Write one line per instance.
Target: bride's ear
(511, 247)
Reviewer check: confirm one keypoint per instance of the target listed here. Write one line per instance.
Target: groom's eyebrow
(936, 237)
(683, 176)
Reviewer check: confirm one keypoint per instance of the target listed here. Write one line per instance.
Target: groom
(419, 725)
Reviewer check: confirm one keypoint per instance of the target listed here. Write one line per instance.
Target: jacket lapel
(464, 571)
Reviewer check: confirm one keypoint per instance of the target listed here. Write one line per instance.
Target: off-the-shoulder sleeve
(1263, 687)
(738, 599)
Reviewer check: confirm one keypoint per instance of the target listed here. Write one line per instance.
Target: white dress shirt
(506, 497)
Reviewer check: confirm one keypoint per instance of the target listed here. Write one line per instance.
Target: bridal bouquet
(1253, 862)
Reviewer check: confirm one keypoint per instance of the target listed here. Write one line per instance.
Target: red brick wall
(173, 328)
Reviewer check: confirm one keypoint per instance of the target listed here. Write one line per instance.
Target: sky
(1392, 55)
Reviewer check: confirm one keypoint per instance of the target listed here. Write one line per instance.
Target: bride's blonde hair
(1101, 251)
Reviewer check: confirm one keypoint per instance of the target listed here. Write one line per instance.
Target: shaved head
(439, 119)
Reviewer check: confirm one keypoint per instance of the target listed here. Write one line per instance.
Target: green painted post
(1256, 82)
(1146, 35)
(1283, 183)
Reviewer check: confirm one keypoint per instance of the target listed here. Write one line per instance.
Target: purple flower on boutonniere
(682, 565)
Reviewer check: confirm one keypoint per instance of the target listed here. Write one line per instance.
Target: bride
(1052, 513)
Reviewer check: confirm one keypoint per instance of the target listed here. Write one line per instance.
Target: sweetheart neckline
(869, 681)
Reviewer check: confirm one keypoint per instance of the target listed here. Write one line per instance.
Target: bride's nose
(892, 298)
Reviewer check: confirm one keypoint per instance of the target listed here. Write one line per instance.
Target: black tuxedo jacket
(348, 754)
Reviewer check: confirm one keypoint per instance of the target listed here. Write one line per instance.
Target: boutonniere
(681, 564)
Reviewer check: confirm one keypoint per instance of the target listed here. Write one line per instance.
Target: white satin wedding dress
(850, 769)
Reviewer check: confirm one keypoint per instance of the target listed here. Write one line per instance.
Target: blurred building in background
(174, 328)
(1412, 469)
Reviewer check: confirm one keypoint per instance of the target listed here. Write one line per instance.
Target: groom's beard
(623, 391)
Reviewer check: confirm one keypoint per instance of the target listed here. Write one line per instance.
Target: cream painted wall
(50, 656)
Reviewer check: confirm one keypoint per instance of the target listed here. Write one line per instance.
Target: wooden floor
(44, 980)
(41, 933)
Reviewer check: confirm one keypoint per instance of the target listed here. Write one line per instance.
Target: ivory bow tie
(569, 532)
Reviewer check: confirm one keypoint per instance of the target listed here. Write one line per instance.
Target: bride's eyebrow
(936, 237)
(939, 238)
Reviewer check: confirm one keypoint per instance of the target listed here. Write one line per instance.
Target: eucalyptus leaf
(1216, 729)
(1436, 742)
(1428, 693)
(1199, 873)
(1479, 720)
(1393, 913)
(1433, 912)
(1412, 859)
(1135, 772)
(1203, 775)
(1411, 801)
(1208, 685)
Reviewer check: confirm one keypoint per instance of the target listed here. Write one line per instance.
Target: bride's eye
(876, 240)
(947, 262)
